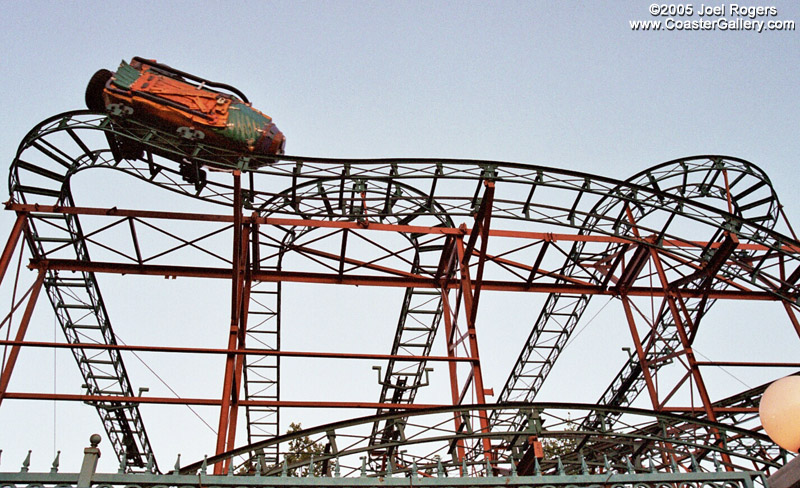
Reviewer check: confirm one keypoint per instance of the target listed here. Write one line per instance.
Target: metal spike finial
(694, 466)
(414, 469)
(488, 467)
(337, 468)
(513, 469)
(652, 463)
(26, 463)
(284, 468)
(54, 466)
(177, 465)
(439, 468)
(584, 467)
(673, 465)
(606, 464)
(204, 466)
(230, 466)
(150, 463)
(259, 465)
(310, 472)
(537, 470)
(389, 467)
(717, 465)
(560, 466)
(464, 467)
(629, 467)
(363, 466)
(123, 464)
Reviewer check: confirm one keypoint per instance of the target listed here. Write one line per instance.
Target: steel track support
(466, 287)
(8, 367)
(11, 244)
(672, 298)
(640, 353)
(234, 363)
(241, 340)
(792, 316)
(444, 273)
(455, 257)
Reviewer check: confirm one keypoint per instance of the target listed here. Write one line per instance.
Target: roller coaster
(664, 246)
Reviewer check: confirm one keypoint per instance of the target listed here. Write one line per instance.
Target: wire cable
(165, 384)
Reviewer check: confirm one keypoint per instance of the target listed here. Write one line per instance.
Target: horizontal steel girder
(365, 280)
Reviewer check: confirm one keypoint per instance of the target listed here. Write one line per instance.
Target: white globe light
(779, 411)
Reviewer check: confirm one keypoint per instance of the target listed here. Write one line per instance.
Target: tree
(300, 451)
(561, 446)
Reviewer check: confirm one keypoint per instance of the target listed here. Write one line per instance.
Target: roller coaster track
(617, 227)
(635, 445)
(562, 312)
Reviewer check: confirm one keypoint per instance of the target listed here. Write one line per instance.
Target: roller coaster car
(182, 104)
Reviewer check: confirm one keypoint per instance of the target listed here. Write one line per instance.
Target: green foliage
(560, 446)
(300, 451)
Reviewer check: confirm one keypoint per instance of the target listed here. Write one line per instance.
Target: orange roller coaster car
(183, 104)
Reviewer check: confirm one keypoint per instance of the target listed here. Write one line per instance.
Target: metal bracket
(403, 387)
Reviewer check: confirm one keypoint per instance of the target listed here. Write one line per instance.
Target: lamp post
(779, 411)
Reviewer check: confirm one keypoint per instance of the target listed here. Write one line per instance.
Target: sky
(561, 84)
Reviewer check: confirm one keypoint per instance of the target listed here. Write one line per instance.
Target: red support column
(226, 428)
(672, 297)
(640, 353)
(11, 244)
(240, 358)
(456, 257)
(472, 340)
(452, 368)
(8, 367)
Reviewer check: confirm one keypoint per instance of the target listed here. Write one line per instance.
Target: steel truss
(682, 235)
(404, 470)
(641, 442)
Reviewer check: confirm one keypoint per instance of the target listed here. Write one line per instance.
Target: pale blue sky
(563, 84)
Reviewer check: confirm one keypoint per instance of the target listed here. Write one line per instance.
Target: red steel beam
(389, 281)
(8, 367)
(230, 393)
(672, 300)
(214, 401)
(548, 236)
(11, 244)
(640, 353)
(716, 409)
(488, 199)
(792, 317)
(237, 351)
(244, 299)
(452, 369)
(470, 311)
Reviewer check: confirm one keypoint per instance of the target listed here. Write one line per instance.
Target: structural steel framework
(667, 244)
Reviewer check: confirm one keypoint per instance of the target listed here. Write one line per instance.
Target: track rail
(612, 226)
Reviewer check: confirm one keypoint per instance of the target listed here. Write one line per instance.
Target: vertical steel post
(472, 340)
(240, 358)
(452, 368)
(229, 393)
